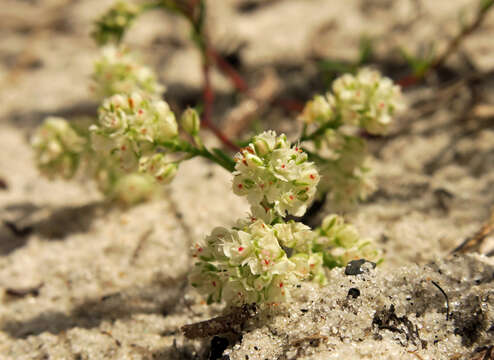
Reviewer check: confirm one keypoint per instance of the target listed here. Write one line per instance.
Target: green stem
(333, 124)
(183, 146)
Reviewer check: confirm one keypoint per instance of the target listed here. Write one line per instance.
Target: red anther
(281, 285)
(291, 197)
(240, 249)
(249, 150)
(283, 166)
(266, 262)
(131, 102)
(240, 186)
(140, 112)
(312, 176)
(214, 283)
(245, 162)
(123, 148)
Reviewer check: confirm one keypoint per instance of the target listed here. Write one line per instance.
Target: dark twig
(453, 45)
(22, 292)
(474, 242)
(232, 322)
(445, 296)
(3, 184)
(17, 230)
(465, 31)
(140, 245)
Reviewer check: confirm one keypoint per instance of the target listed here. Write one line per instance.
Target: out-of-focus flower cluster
(129, 129)
(118, 71)
(340, 243)
(124, 150)
(367, 100)
(113, 24)
(275, 177)
(346, 173)
(57, 148)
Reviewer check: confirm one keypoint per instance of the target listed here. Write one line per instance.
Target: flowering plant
(135, 144)
(263, 258)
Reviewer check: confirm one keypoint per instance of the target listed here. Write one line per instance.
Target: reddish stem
(408, 80)
(236, 79)
(208, 97)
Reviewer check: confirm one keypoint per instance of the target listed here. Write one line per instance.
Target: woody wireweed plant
(135, 144)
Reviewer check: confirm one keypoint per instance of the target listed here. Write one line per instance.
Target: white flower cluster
(119, 72)
(367, 99)
(340, 243)
(57, 148)
(346, 174)
(129, 127)
(258, 262)
(249, 263)
(276, 177)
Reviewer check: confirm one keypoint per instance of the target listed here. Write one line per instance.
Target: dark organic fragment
(22, 292)
(231, 322)
(354, 266)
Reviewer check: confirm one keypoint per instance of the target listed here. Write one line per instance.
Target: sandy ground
(112, 281)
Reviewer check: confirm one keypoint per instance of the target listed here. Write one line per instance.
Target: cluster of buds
(112, 25)
(340, 243)
(130, 126)
(57, 148)
(119, 72)
(275, 176)
(249, 263)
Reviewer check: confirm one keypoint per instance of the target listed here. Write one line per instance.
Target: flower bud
(190, 121)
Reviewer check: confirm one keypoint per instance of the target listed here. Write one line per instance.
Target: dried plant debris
(23, 292)
(232, 322)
